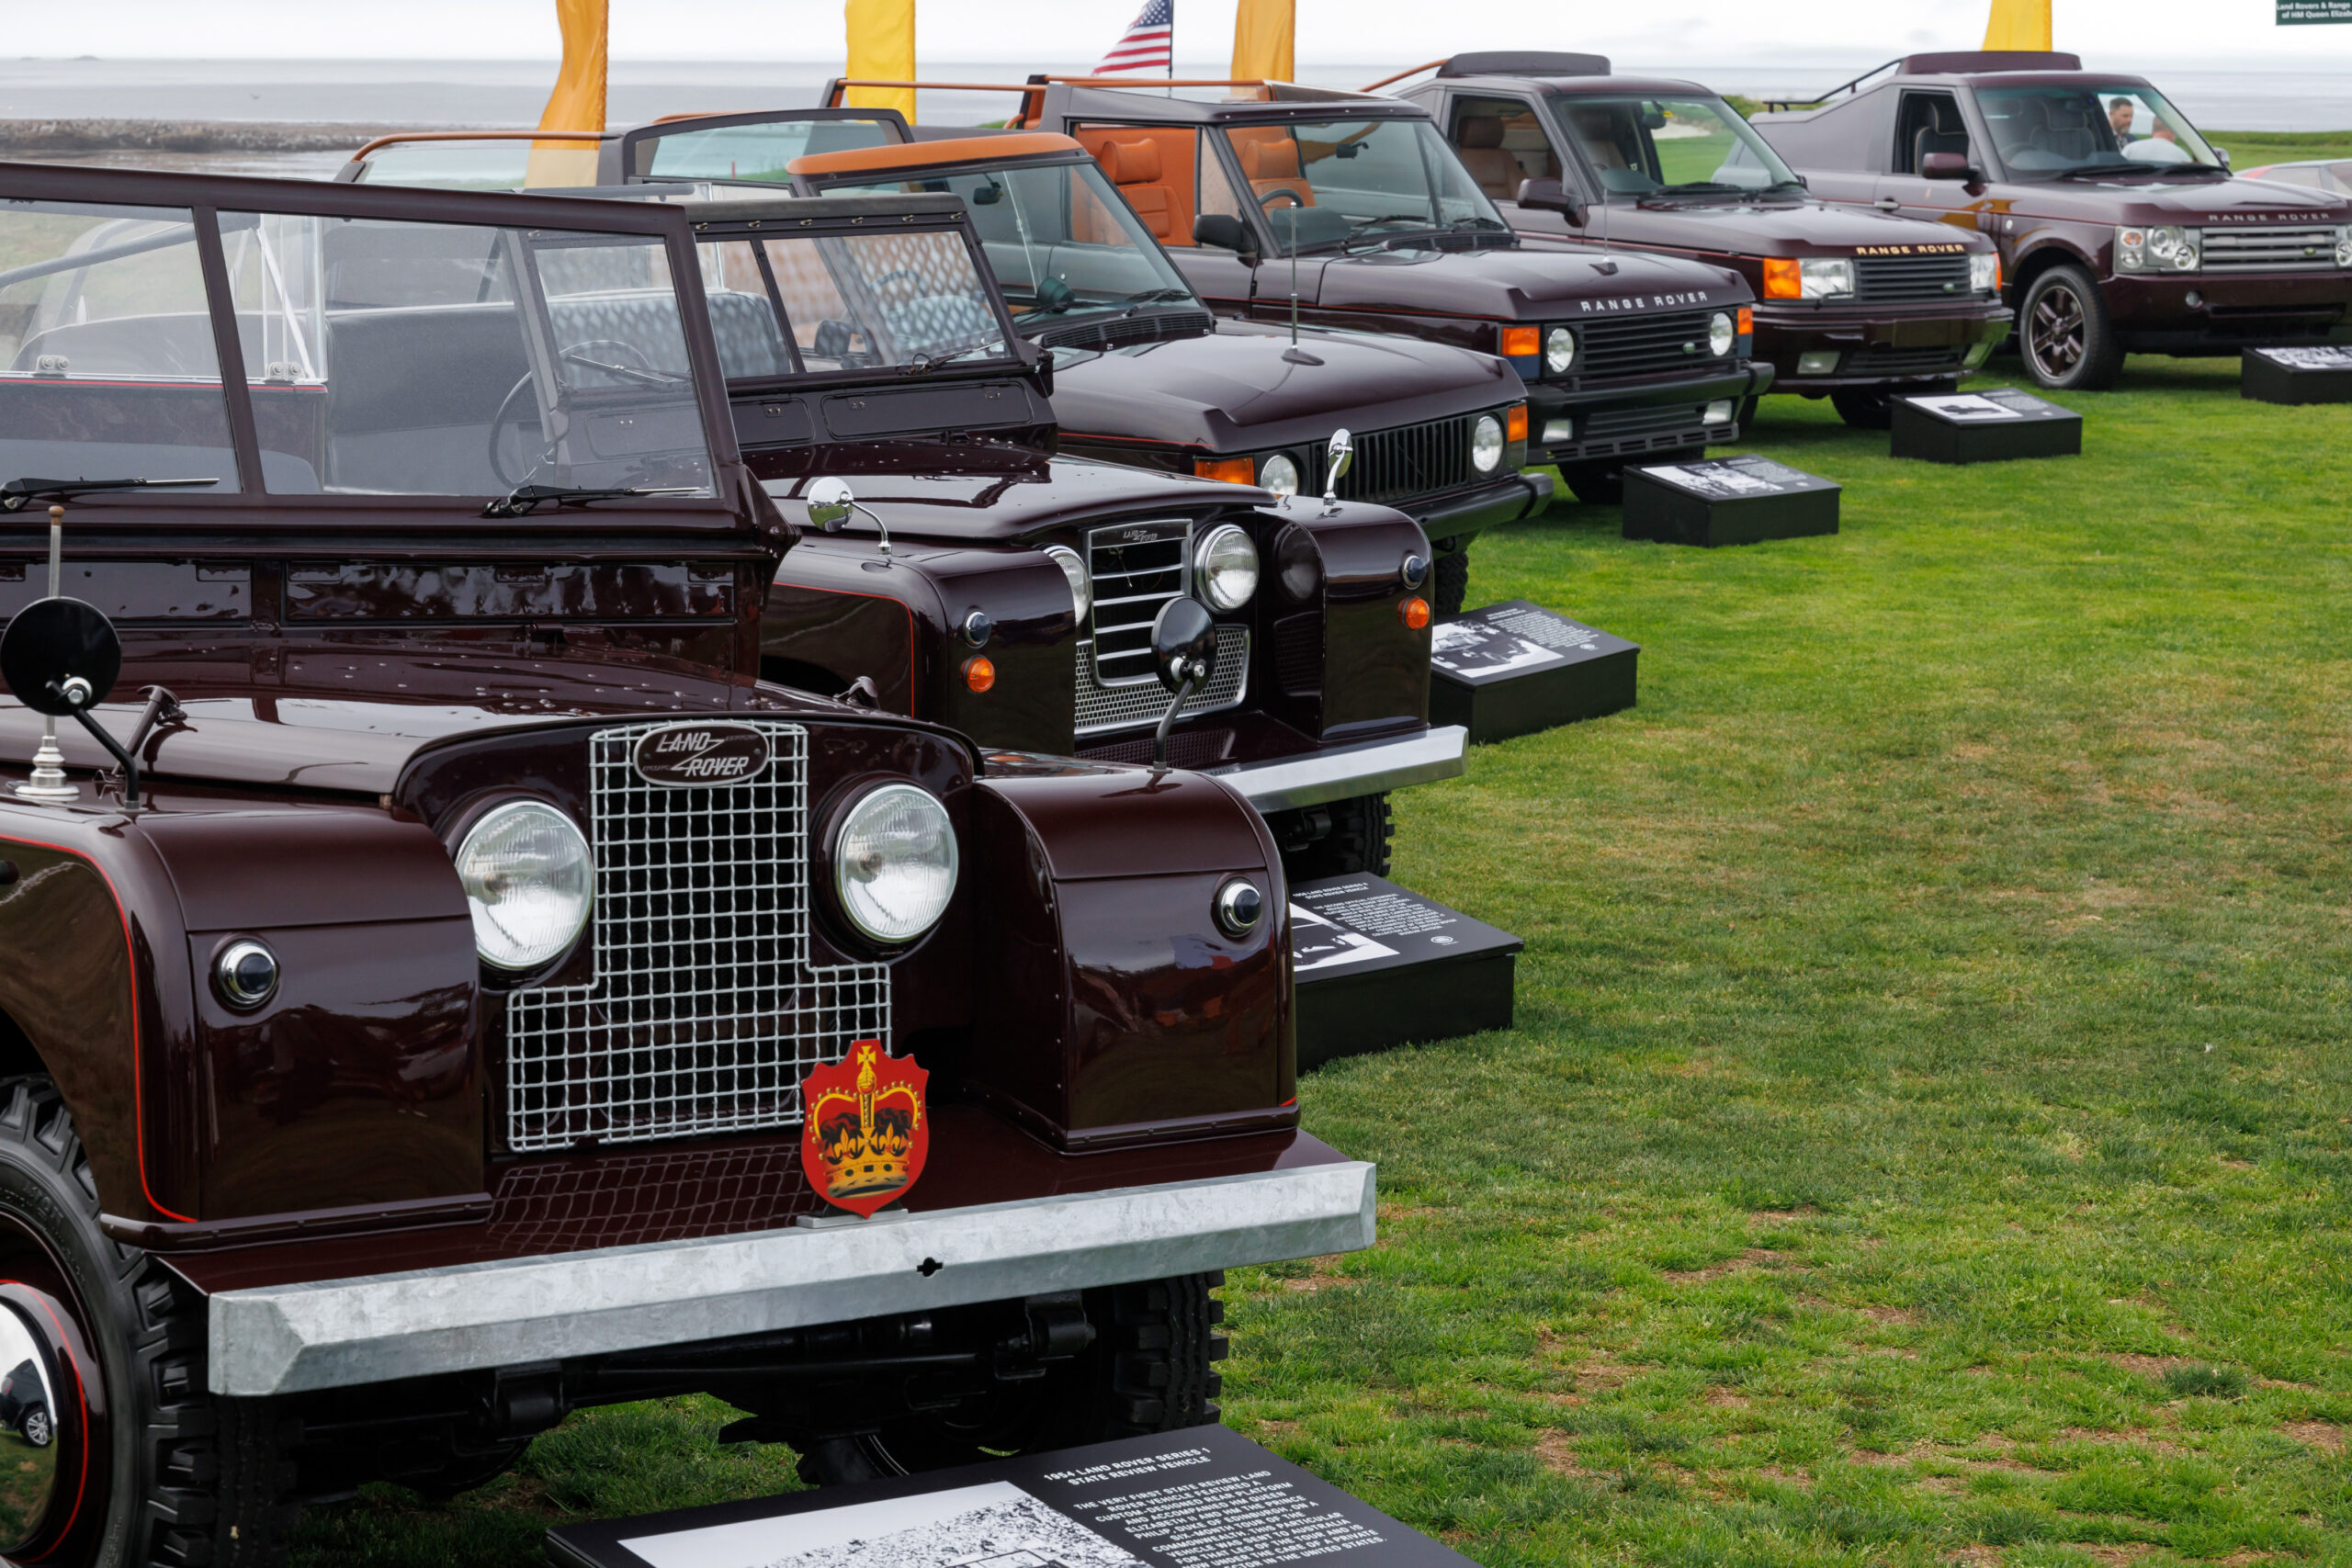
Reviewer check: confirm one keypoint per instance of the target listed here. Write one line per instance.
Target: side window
(1928, 122)
(1153, 167)
(1501, 142)
(1217, 192)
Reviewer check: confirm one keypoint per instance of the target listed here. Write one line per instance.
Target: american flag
(1148, 44)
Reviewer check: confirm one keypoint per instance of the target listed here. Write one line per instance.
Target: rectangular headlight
(1985, 273)
(1826, 278)
(2162, 247)
(1716, 413)
(1558, 430)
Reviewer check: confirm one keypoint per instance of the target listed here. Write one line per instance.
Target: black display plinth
(1515, 668)
(1727, 500)
(1982, 427)
(2320, 374)
(1195, 1497)
(1378, 965)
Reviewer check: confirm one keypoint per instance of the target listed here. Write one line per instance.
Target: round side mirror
(829, 501)
(61, 657)
(1338, 459)
(1183, 643)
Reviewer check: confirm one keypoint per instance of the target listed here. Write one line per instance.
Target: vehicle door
(1929, 120)
(1503, 140)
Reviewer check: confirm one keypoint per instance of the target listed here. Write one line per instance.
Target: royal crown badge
(863, 1133)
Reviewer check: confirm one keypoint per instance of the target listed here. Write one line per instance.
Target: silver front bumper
(1345, 771)
(339, 1333)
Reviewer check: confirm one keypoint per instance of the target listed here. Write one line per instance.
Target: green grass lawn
(1925, 1138)
(2251, 148)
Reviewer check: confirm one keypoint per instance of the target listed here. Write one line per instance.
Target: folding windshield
(814, 304)
(1645, 146)
(2049, 133)
(1062, 244)
(519, 162)
(384, 358)
(757, 152)
(1327, 182)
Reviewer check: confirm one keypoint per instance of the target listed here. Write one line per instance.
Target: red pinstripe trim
(138, 1042)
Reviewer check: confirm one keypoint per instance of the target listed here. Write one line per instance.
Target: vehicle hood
(2207, 204)
(1233, 389)
(960, 493)
(283, 715)
(1517, 284)
(1781, 229)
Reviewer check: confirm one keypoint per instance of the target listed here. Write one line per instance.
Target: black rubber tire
(1152, 1368)
(2065, 335)
(198, 1481)
(1362, 829)
(1450, 579)
(1864, 410)
(1595, 484)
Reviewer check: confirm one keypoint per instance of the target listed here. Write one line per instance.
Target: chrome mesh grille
(1102, 707)
(705, 1013)
(2297, 249)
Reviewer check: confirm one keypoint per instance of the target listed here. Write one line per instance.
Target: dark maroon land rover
(417, 917)
(2121, 228)
(1854, 305)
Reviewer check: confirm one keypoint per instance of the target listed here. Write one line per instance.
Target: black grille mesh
(1633, 345)
(1886, 278)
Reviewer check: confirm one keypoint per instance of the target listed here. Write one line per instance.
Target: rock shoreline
(191, 135)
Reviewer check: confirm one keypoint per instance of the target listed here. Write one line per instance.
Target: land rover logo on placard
(679, 756)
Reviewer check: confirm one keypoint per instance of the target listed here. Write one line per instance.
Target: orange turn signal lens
(1515, 423)
(1522, 343)
(1783, 279)
(979, 674)
(1746, 318)
(1232, 470)
(1414, 613)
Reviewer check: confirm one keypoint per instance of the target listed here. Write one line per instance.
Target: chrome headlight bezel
(858, 852)
(2158, 248)
(1723, 333)
(1279, 474)
(2344, 246)
(1487, 444)
(1082, 581)
(1983, 272)
(1560, 350)
(1225, 565)
(566, 873)
(1825, 277)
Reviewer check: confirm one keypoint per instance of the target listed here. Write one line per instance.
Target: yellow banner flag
(2018, 24)
(1265, 39)
(882, 47)
(578, 101)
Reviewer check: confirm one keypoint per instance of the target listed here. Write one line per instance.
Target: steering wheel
(1295, 200)
(498, 422)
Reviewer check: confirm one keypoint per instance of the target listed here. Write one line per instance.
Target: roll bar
(1773, 106)
(1033, 102)
(1385, 80)
(400, 136)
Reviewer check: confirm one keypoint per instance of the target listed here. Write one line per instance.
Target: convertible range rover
(418, 917)
(1854, 305)
(2121, 228)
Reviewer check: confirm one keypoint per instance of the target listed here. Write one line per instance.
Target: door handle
(1887, 204)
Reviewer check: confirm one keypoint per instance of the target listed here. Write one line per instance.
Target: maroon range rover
(417, 917)
(1854, 305)
(2121, 228)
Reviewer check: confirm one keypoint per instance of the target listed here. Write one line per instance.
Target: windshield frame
(634, 142)
(1431, 146)
(1556, 103)
(210, 197)
(2202, 155)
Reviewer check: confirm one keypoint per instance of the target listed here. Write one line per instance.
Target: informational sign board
(1200, 1497)
(1515, 668)
(1727, 500)
(1992, 426)
(1378, 965)
(2308, 13)
(2319, 374)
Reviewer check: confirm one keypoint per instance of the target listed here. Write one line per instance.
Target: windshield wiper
(1156, 295)
(626, 372)
(17, 494)
(524, 500)
(1356, 229)
(2103, 170)
(923, 362)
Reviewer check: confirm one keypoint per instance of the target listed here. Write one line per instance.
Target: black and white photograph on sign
(996, 1525)
(1965, 406)
(1471, 648)
(1319, 944)
(2325, 357)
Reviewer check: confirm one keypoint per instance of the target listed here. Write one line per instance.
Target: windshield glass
(1640, 147)
(1326, 182)
(516, 164)
(1062, 244)
(813, 304)
(748, 152)
(2044, 131)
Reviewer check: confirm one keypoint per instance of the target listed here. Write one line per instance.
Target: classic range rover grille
(1883, 361)
(1882, 280)
(2297, 249)
(1410, 461)
(1651, 419)
(705, 1013)
(1136, 567)
(1639, 346)
(1102, 707)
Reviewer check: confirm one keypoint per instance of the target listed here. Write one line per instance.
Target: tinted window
(1503, 142)
(2044, 131)
(1641, 146)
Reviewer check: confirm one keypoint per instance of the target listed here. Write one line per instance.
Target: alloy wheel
(2057, 336)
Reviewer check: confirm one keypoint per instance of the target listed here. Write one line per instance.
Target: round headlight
(1081, 586)
(1228, 566)
(894, 863)
(1278, 474)
(1559, 350)
(1720, 332)
(1487, 444)
(529, 882)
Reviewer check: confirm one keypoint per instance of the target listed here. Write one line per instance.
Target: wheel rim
(2057, 331)
(42, 1319)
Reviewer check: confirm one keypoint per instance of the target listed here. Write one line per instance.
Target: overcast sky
(2118, 33)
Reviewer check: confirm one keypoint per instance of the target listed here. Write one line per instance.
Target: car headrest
(1269, 160)
(1132, 163)
(1482, 131)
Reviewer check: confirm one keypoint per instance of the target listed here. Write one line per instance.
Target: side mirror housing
(2224, 154)
(61, 657)
(1550, 195)
(828, 501)
(1946, 166)
(1226, 232)
(1184, 644)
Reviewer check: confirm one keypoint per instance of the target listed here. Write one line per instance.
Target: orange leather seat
(1134, 168)
(1272, 164)
(1479, 140)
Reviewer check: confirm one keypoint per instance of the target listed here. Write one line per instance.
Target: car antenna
(1293, 214)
